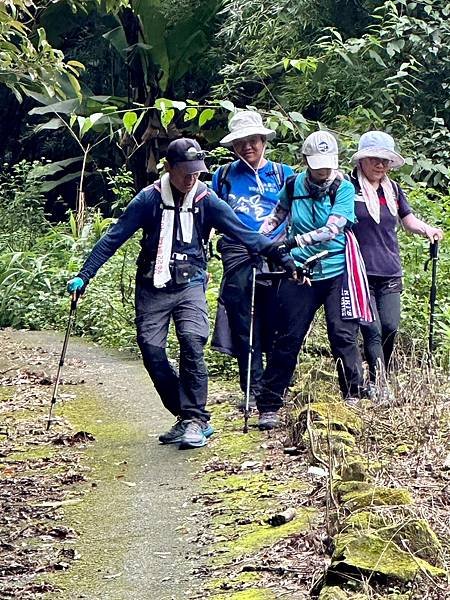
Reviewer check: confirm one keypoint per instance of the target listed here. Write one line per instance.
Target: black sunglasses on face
(193, 154)
(375, 161)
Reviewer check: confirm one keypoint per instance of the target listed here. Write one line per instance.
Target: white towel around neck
(370, 196)
(164, 252)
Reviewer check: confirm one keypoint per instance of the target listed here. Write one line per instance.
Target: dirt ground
(95, 508)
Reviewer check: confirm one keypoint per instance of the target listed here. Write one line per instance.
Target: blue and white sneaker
(196, 435)
(208, 429)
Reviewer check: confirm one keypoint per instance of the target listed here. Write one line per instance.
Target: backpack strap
(223, 181)
(290, 184)
(197, 221)
(333, 190)
(396, 190)
(279, 174)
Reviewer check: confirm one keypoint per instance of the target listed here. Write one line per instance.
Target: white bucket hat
(321, 150)
(245, 123)
(378, 144)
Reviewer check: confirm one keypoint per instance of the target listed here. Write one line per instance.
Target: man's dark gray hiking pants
(184, 394)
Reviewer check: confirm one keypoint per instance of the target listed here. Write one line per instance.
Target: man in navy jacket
(176, 215)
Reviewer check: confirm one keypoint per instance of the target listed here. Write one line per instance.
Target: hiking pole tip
(245, 429)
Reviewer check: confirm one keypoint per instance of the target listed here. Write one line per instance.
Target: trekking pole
(250, 351)
(305, 271)
(433, 258)
(70, 322)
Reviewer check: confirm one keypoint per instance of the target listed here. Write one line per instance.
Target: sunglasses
(375, 161)
(193, 154)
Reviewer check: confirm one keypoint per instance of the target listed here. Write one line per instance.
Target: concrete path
(136, 534)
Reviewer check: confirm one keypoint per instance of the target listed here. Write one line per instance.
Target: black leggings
(379, 336)
(298, 305)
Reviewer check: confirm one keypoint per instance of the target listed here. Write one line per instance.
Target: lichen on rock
(406, 531)
(370, 495)
(335, 414)
(369, 552)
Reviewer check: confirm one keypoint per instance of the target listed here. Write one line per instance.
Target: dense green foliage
(352, 66)
(153, 70)
(34, 270)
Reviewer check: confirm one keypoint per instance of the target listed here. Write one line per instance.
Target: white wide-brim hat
(378, 144)
(243, 124)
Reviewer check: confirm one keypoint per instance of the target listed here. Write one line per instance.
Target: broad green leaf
(66, 107)
(117, 38)
(154, 30)
(297, 117)
(377, 58)
(179, 105)
(47, 186)
(206, 115)
(86, 126)
(81, 121)
(129, 119)
(139, 119)
(55, 167)
(288, 125)
(166, 117)
(55, 123)
(227, 105)
(190, 114)
(96, 117)
(75, 84)
(162, 103)
(77, 64)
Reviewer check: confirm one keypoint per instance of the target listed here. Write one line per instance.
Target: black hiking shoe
(175, 433)
(268, 421)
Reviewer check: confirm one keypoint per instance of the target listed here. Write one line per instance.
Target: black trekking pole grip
(433, 253)
(73, 301)
(306, 270)
(434, 249)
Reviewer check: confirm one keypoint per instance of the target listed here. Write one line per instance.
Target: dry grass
(405, 444)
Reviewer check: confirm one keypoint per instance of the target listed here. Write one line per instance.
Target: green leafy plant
(22, 204)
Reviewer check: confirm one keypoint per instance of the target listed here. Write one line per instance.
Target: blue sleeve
(128, 223)
(344, 205)
(223, 218)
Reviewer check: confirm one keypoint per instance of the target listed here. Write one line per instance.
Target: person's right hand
(76, 285)
(434, 234)
(278, 253)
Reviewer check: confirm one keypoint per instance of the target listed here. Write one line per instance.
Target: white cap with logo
(321, 150)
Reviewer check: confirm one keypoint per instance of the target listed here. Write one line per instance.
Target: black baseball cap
(188, 153)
